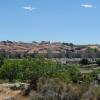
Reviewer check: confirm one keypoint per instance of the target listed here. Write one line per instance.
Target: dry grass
(54, 89)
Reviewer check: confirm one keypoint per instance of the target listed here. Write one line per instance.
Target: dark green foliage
(2, 57)
(84, 61)
(98, 62)
(67, 73)
(73, 72)
(29, 69)
(62, 75)
(26, 69)
(8, 70)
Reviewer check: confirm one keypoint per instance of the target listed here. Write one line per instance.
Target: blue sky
(76, 21)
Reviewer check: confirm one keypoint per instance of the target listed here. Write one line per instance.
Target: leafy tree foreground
(34, 68)
(49, 79)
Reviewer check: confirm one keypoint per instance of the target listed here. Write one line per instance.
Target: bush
(2, 58)
(74, 72)
(8, 70)
(62, 75)
(26, 69)
(55, 89)
(84, 61)
(98, 62)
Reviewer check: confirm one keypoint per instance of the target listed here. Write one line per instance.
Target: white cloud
(87, 5)
(29, 8)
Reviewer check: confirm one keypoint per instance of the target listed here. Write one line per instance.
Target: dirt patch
(6, 93)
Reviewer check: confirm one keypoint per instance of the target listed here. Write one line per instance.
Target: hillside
(49, 50)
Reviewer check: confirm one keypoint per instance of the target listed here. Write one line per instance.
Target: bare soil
(6, 93)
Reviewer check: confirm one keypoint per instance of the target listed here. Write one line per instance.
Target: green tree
(27, 68)
(2, 58)
(8, 70)
(74, 72)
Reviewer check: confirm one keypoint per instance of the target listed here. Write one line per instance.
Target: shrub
(55, 89)
(98, 62)
(84, 61)
(8, 70)
(62, 75)
(26, 69)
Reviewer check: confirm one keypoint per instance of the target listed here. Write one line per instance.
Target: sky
(72, 21)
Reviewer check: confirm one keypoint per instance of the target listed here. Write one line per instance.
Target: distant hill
(49, 50)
